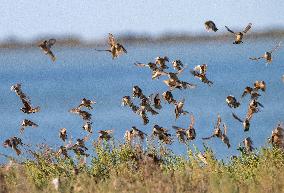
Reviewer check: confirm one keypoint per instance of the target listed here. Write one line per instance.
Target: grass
(131, 168)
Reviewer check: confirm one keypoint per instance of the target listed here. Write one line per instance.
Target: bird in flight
(116, 49)
(13, 142)
(63, 134)
(162, 134)
(27, 123)
(210, 26)
(267, 55)
(105, 134)
(177, 65)
(134, 133)
(239, 35)
(179, 109)
(232, 101)
(161, 62)
(200, 72)
(46, 45)
(86, 103)
(219, 134)
(17, 88)
(186, 134)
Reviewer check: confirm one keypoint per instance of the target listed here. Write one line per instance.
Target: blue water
(82, 72)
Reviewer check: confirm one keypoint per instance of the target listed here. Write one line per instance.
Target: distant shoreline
(132, 38)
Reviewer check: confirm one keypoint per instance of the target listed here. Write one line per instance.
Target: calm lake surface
(83, 72)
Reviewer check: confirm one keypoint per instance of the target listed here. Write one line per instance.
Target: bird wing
(254, 58)
(260, 104)
(236, 117)
(276, 47)
(229, 30)
(103, 50)
(111, 40)
(26, 104)
(247, 28)
(140, 64)
(219, 120)
(176, 128)
(206, 138)
(124, 50)
(192, 121)
(225, 128)
(245, 92)
(51, 42)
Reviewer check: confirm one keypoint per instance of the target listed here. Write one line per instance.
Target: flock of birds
(153, 103)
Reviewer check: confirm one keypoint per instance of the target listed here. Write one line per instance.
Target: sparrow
(45, 46)
(63, 134)
(13, 143)
(239, 36)
(116, 49)
(162, 134)
(86, 103)
(267, 55)
(27, 123)
(179, 108)
(232, 101)
(210, 26)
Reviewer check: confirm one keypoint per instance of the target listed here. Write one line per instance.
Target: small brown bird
(201, 68)
(277, 137)
(168, 96)
(245, 122)
(178, 65)
(267, 55)
(219, 134)
(46, 45)
(156, 74)
(181, 134)
(224, 136)
(156, 71)
(239, 36)
(27, 123)
(63, 151)
(25, 100)
(145, 106)
(105, 134)
(133, 133)
(126, 101)
(210, 26)
(88, 127)
(186, 134)
(63, 134)
(162, 134)
(232, 101)
(260, 85)
(253, 93)
(156, 101)
(172, 84)
(83, 114)
(86, 103)
(79, 147)
(13, 143)
(137, 92)
(151, 65)
(248, 145)
(161, 62)
(217, 130)
(201, 74)
(179, 109)
(116, 49)
(143, 115)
